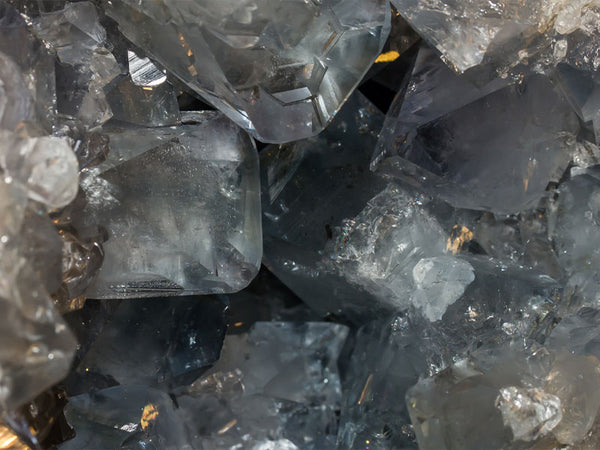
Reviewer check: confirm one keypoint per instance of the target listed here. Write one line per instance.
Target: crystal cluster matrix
(300, 224)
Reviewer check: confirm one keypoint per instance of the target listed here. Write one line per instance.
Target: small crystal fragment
(530, 413)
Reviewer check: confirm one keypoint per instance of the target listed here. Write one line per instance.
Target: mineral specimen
(181, 208)
(431, 237)
(496, 149)
(280, 71)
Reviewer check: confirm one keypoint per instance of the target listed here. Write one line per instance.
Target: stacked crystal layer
(299, 225)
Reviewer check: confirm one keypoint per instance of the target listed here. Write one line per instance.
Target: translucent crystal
(277, 384)
(530, 413)
(501, 304)
(174, 350)
(38, 346)
(15, 99)
(181, 209)
(440, 281)
(35, 73)
(498, 151)
(151, 106)
(45, 166)
(125, 417)
(366, 246)
(472, 32)
(280, 72)
(78, 38)
(577, 233)
(467, 405)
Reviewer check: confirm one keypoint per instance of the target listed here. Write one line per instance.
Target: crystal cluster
(300, 225)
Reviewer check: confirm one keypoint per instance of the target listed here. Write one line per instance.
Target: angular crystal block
(175, 350)
(277, 383)
(35, 74)
(391, 355)
(181, 208)
(576, 235)
(280, 71)
(494, 148)
(474, 32)
(498, 399)
(346, 240)
(125, 417)
(75, 34)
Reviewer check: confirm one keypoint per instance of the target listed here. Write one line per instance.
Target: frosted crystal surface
(280, 71)
(181, 208)
(497, 151)
(530, 413)
(45, 166)
(482, 391)
(279, 383)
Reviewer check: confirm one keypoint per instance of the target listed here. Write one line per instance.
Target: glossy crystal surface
(279, 70)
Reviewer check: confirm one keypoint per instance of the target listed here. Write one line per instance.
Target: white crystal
(46, 166)
(530, 413)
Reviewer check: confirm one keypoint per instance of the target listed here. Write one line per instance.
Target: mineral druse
(430, 238)
(181, 206)
(280, 71)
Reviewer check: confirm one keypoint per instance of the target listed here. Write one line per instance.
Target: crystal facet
(280, 71)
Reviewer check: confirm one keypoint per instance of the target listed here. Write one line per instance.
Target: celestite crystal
(180, 206)
(280, 71)
(495, 149)
(503, 33)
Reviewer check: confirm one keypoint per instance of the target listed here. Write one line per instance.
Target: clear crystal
(181, 209)
(280, 72)
(497, 151)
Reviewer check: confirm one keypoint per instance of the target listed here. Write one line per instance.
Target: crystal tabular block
(503, 33)
(346, 240)
(493, 148)
(181, 209)
(280, 70)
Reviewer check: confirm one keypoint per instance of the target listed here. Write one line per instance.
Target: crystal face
(181, 208)
(280, 71)
(496, 149)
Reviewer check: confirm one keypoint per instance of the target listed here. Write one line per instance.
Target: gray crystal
(532, 393)
(474, 32)
(501, 304)
(353, 251)
(577, 234)
(174, 349)
(280, 72)
(181, 208)
(37, 346)
(77, 37)
(276, 385)
(151, 106)
(125, 417)
(496, 153)
(35, 74)
(45, 166)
